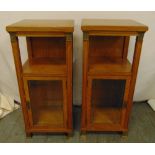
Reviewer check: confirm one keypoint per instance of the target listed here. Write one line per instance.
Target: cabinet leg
(28, 134)
(82, 133)
(124, 134)
(69, 135)
(83, 136)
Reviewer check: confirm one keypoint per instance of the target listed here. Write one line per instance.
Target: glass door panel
(47, 102)
(107, 99)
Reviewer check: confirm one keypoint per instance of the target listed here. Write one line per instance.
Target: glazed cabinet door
(107, 102)
(46, 102)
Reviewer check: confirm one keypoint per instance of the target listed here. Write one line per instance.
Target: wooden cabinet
(108, 77)
(45, 79)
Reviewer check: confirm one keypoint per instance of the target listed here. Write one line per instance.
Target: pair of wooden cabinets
(45, 79)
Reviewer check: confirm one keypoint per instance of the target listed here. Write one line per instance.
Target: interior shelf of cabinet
(100, 65)
(44, 69)
(53, 116)
(107, 115)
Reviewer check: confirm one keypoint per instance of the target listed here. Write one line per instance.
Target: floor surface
(141, 129)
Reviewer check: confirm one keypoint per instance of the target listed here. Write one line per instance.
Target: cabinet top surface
(42, 25)
(112, 25)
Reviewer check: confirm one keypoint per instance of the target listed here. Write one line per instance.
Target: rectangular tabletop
(42, 26)
(112, 25)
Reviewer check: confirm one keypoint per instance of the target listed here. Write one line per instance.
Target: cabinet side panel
(18, 66)
(84, 83)
(126, 45)
(69, 57)
(29, 48)
(135, 64)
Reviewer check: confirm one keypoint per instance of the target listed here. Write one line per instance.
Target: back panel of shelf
(105, 49)
(46, 50)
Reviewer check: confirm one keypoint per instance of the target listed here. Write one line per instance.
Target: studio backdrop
(145, 85)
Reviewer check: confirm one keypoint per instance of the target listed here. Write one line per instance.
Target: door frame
(64, 89)
(107, 127)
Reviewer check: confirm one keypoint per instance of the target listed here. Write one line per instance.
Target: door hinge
(28, 105)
